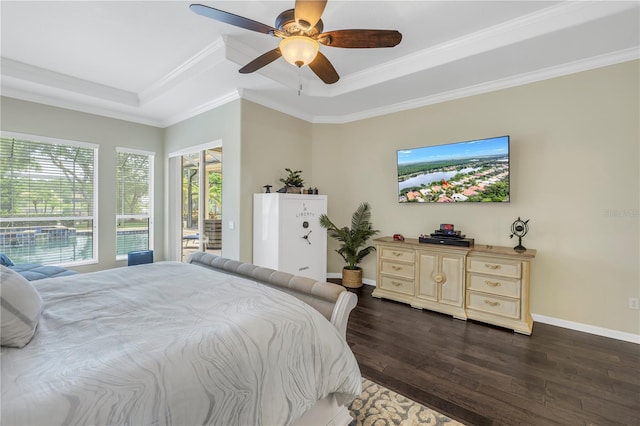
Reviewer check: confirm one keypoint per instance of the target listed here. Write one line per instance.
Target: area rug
(379, 406)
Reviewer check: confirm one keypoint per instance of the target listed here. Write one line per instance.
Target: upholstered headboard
(331, 300)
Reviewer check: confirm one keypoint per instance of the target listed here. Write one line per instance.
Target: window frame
(150, 216)
(38, 139)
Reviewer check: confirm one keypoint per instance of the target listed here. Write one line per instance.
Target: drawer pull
(396, 283)
(492, 283)
(396, 268)
(492, 266)
(490, 303)
(397, 253)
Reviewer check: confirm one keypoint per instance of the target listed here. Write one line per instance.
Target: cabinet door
(441, 277)
(452, 268)
(427, 285)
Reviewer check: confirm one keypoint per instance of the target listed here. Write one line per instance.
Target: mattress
(173, 343)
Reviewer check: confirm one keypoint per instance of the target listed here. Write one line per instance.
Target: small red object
(398, 237)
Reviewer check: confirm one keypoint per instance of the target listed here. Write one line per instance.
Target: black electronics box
(460, 242)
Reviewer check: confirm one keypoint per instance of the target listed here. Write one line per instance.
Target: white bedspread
(171, 343)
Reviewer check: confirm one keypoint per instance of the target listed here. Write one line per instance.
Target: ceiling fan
(301, 32)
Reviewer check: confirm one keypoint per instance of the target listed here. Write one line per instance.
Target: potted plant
(293, 182)
(353, 243)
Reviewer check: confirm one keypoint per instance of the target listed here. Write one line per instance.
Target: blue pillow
(4, 260)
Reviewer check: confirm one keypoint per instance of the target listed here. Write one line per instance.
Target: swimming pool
(74, 249)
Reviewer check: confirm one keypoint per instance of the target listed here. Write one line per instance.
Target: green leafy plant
(293, 178)
(353, 241)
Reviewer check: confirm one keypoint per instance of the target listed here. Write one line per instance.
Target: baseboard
(366, 281)
(576, 326)
(586, 328)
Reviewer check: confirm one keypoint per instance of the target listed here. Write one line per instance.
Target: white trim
(206, 58)
(175, 193)
(202, 197)
(96, 207)
(135, 151)
(478, 89)
(173, 203)
(75, 104)
(151, 194)
(41, 218)
(196, 148)
(587, 328)
(67, 83)
(96, 189)
(207, 106)
(46, 139)
(571, 325)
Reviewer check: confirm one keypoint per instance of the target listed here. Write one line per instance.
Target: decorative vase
(352, 278)
(294, 190)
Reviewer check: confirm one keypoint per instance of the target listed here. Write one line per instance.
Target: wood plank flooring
(484, 375)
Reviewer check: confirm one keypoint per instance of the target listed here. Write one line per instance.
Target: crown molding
(24, 81)
(206, 58)
(264, 100)
(536, 24)
(491, 86)
(76, 105)
(254, 96)
(207, 106)
(36, 75)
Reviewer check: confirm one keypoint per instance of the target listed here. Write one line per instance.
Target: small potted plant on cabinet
(353, 243)
(293, 182)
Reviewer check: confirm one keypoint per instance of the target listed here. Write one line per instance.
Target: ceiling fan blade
(261, 61)
(360, 38)
(308, 12)
(323, 69)
(230, 18)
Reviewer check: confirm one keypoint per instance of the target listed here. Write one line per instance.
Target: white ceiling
(157, 63)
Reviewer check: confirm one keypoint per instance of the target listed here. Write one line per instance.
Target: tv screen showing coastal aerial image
(473, 171)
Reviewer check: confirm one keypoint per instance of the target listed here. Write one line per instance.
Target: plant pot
(352, 278)
(294, 190)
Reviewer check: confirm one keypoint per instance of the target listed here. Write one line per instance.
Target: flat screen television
(471, 171)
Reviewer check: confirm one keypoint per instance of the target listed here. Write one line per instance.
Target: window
(48, 207)
(134, 198)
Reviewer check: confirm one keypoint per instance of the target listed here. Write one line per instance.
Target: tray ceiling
(158, 63)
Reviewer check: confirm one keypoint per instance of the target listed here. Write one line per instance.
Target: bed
(214, 341)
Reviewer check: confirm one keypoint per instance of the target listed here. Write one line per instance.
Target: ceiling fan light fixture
(299, 50)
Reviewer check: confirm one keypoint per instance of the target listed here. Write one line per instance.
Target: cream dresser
(484, 283)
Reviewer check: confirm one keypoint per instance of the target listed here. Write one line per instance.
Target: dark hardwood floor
(481, 375)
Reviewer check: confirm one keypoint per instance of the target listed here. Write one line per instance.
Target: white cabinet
(287, 235)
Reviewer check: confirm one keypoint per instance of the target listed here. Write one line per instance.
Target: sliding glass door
(201, 175)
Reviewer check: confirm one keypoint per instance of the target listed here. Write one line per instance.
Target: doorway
(201, 174)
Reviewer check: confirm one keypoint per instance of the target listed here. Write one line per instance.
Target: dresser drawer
(494, 285)
(397, 284)
(396, 268)
(505, 307)
(405, 255)
(500, 267)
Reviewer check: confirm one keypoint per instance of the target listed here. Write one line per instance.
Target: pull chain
(299, 80)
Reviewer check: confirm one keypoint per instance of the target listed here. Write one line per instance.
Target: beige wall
(257, 144)
(219, 125)
(36, 119)
(271, 142)
(574, 174)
